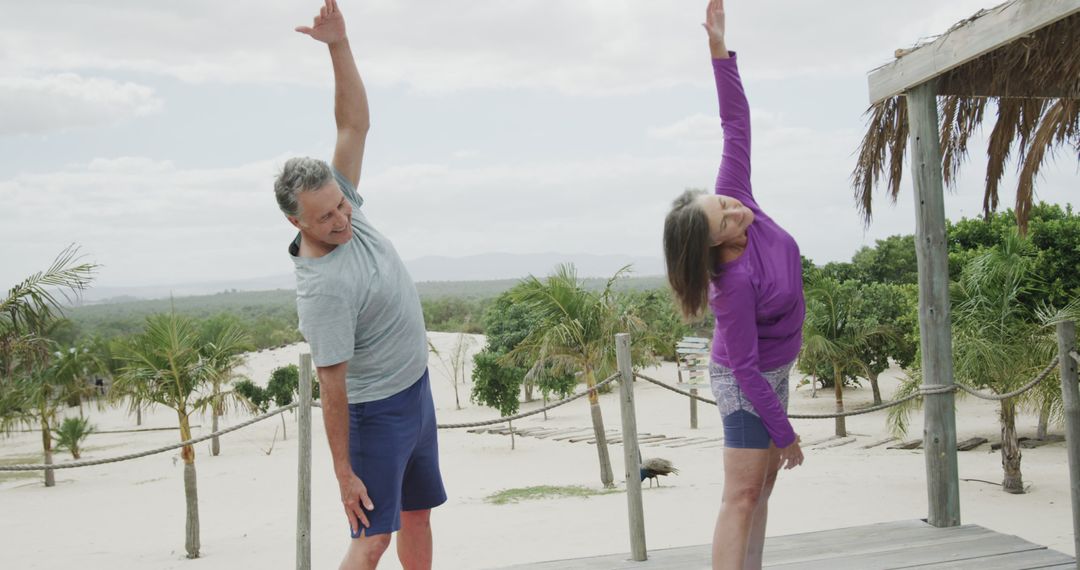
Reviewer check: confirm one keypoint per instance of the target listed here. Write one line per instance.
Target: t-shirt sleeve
(347, 188)
(328, 323)
(736, 322)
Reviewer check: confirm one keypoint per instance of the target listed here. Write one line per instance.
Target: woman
(721, 249)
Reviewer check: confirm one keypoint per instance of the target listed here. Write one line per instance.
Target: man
(360, 313)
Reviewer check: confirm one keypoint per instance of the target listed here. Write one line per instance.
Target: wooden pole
(939, 432)
(693, 409)
(631, 457)
(303, 475)
(1070, 396)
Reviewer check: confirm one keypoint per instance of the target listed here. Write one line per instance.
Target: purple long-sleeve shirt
(757, 298)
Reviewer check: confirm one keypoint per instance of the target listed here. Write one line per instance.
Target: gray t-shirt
(358, 303)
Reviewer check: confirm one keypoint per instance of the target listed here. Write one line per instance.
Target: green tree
(998, 342)
(887, 308)
(834, 334)
(891, 260)
(576, 332)
(58, 379)
(165, 365)
(33, 384)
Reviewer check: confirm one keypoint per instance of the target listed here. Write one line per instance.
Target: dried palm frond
(1035, 83)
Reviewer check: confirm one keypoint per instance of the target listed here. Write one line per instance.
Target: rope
(503, 420)
(162, 449)
(998, 397)
(925, 389)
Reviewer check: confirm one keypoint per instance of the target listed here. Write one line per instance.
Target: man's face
(325, 215)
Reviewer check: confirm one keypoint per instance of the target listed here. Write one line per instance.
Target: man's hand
(353, 493)
(329, 25)
(792, 455)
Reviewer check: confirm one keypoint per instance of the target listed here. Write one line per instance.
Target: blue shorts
(394, 450)
(743, 429)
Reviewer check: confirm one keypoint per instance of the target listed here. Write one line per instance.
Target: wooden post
(1070, 396)
(939, 432)
(631, 457)
(693, 409)
(303, 474)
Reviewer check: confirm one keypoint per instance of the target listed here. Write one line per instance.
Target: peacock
(654, 467)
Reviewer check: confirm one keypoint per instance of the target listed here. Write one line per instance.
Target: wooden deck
(906, 544)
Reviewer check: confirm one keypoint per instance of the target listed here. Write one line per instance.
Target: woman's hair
(691, 259)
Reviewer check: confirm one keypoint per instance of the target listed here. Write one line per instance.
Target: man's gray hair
(301, 174)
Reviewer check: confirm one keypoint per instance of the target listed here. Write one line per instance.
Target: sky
(150, 132)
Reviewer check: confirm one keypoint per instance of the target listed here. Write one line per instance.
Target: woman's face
(728, 217)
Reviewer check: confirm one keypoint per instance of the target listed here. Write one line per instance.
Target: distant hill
(472, 276)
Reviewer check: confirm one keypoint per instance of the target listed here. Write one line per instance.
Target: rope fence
(924, 389)
(162, 449)
(506, 419)
(270, 414)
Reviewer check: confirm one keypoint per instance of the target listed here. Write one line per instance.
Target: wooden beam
(303, 472)
(992, 30)
(942, 477)
(631, 455)
(1070, 396)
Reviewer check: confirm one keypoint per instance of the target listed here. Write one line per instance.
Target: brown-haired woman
(724, 252)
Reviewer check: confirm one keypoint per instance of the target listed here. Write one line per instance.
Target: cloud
(575, 47)
(35, 105)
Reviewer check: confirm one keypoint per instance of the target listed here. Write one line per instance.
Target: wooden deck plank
(1027, 560)
(891, 545)
(918, 556)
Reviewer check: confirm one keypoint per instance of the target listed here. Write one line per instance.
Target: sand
(131, 514)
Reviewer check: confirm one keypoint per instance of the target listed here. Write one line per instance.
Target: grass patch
(545, 492)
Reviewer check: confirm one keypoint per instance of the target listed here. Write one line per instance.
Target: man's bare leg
(414, 540)
(364, 552)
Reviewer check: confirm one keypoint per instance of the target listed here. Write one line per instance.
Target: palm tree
(32, 386)
(38, 395)
(165, 365)
(222, 348)
(577, 333)
(834, 334)
(998, 341)
(32, 305)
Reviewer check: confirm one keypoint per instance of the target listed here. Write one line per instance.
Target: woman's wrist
(718, 49)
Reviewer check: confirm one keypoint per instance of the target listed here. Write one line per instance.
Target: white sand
(131, 514)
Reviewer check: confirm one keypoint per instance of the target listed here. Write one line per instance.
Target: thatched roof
(1033, 84)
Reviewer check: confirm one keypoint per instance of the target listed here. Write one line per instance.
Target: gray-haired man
(360, 313)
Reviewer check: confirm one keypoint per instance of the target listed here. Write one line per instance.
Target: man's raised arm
(350, 99)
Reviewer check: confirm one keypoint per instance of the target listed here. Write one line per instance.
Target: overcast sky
(149, 132)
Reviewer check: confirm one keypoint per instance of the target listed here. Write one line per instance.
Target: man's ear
(294, 221)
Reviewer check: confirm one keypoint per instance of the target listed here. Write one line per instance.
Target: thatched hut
(1030, 83)
(1023, 57)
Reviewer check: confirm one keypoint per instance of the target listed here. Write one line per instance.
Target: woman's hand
(715, 26)
(792, 455)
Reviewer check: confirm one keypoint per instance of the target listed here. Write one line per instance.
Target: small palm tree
(37, 395)
(834, 335)
(222, 349)
(577, 333)
(165, 365)
(28, 394)
(998, 341)
(71, 434)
